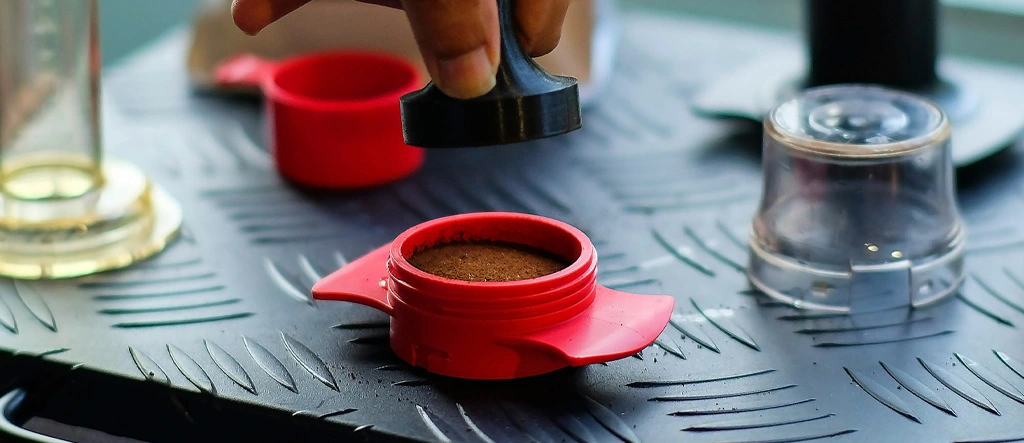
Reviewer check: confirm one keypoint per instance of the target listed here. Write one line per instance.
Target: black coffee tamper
(527, 103)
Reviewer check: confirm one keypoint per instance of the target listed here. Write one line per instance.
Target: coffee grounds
(487, 261)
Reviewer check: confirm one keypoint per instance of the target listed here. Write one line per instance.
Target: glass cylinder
(858, 208)
(49, 95)
(65, 210)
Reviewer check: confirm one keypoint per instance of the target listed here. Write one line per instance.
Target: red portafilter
(499, 330)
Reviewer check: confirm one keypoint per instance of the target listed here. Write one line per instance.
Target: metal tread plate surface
(665, 195)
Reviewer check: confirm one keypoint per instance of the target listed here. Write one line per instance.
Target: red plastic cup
(492, 331)
(334, 119)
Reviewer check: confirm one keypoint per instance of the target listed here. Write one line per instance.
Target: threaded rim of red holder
(563, 294)
(397, 75)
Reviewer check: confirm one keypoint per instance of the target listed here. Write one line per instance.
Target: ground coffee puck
(485, 261)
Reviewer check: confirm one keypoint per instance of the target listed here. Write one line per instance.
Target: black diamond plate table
(218, 338)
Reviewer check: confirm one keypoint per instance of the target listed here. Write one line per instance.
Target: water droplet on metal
(821, 289)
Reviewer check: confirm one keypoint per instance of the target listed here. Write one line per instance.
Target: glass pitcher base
(126, 219)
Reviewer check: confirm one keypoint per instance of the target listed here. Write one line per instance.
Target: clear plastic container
(858, 209)
(65, 211)
(49, 65)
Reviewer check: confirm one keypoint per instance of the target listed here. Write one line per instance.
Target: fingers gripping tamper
(858, 207)
(65, 211)
(526, 104)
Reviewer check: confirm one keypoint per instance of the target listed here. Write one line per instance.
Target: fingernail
(251, 31)
(256, 17)
(467, 76)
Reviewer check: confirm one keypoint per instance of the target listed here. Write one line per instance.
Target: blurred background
(127, 25)
(975, 28)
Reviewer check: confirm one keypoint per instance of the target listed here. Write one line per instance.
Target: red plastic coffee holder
(333, 119)
(492, 331)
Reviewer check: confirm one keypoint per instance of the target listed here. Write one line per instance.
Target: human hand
(459, 39)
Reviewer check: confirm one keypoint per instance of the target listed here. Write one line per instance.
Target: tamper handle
(886, 42)
(518, 73)
(527, 103)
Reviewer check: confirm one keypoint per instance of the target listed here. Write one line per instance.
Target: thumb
(459, 42)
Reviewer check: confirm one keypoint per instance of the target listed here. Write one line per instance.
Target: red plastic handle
(244, 70)
(363, 281)
(619, 325)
